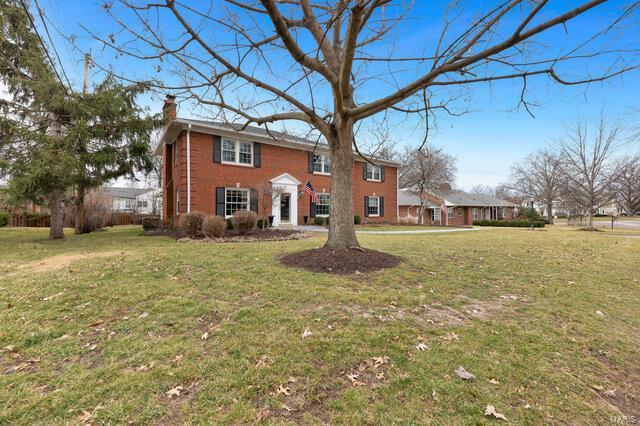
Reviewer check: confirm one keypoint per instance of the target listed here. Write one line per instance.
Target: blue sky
(486, 140)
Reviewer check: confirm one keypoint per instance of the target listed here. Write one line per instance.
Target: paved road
(621, 224)
(410, 231)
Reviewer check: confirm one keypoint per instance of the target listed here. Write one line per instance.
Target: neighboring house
(454, 207)
(216, 168)
(129, 200)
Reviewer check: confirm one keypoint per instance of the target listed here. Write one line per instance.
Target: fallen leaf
(174, 392)
(205, 336)
(494, 382)
(283, 390)
(178, 359)
(379, 360)
(433, 395)
(143, 315)
(286, 407)
(292, 379)
(380, 375)
(464, 374)
(451, 336)
(96, 323)
(491, 411)
(610, 393)
(599, 313)
(597, 387)
(421, 347)
(306, 333)
(263, 361)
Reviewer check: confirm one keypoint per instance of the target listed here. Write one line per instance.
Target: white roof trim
(285, 178)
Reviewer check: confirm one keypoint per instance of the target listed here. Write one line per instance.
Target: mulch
(340, 262)
(233, 235)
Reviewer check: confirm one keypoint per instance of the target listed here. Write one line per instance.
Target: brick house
(216, 168)
(453, 207)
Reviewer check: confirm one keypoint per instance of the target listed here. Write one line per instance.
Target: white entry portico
(287, 186)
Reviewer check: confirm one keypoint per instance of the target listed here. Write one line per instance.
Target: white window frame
(370, 206)
(371, 172)
(320, 195)
(325, 164)
(226, 190)
(451, 213)
(177, 201)
(502, 213)
(236, 159)
(475, 214)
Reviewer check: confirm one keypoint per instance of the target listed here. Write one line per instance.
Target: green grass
(157, 297)
(397, 227)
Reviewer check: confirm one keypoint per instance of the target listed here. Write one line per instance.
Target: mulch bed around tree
(340, 262)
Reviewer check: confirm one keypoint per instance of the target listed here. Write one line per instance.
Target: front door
(285, 207)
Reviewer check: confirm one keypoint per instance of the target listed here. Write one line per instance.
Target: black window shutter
(364, 170)
(381, 206)
(256, 154)
(366, 205)
(217, 149)
(220, 202)
(310, 162)
(312, 209)
(253, 200)
(382, 173)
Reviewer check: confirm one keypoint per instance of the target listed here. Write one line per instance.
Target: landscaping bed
(266, 234)
(341, 262)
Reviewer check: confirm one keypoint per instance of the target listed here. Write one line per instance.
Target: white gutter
(189, 168)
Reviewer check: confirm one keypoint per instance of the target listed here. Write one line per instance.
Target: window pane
(246, 149)
(372, 208)
(236, 199)
(317, 163)
(327, 163)
(323, 207)
(228, 151)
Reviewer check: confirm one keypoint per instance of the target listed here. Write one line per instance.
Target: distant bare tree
(538, 177)
(425, 170)
(482, 189)
(626, 183)
(587, 170)
(332, 64)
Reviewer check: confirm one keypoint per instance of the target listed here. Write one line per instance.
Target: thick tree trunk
(79, 221)
(550, 213)
(590, 218)
(342, 232)
(421, 218)
(56, 229)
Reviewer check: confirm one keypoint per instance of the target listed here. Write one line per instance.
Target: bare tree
(482, 189)
(587, 169)
(626, 183)
(425, 170)
(335, 63)
(538, 177)
(267, 193)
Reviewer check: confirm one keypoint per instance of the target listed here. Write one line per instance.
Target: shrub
(229, 224)
(318, 221)
(356, 219)
(190, 224)
(4, 219)
(98, 207)
(149, 223)
(326, 220)
(528, 214)
(509, 223)
(262, 223)
(214, 226)
(244, 221)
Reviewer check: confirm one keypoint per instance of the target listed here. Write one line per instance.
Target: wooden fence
(40, 221)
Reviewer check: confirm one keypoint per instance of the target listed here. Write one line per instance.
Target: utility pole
(79, 222)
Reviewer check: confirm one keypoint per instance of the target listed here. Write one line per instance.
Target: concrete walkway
(312, 228)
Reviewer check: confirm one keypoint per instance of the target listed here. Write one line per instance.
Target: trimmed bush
(261, 224)
(244, 221)
(4, 219)
(509, 223)
(190, 224)
(318, 221)
(356, 219)
(229, 224)
(149, 223)
(214, 226)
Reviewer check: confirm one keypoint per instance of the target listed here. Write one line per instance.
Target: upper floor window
(323, 206)
(322, 163)
(374, 172)
(237, 152)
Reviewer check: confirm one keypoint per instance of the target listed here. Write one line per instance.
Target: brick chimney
(169, 109)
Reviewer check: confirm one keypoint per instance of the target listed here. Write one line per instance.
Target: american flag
(308, 188)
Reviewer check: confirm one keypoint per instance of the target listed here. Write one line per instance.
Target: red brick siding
(206, 176)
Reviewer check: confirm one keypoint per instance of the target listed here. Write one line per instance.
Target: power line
(51, 41)
(44, 46)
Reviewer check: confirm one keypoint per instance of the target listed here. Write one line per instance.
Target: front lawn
(114, 327)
